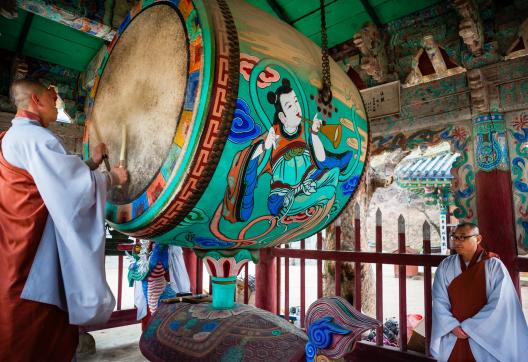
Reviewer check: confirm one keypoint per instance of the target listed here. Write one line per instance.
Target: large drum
(228, 141)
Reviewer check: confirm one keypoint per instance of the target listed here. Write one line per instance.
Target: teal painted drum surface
(228, 143)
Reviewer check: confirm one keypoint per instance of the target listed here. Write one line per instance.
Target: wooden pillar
(266, 282)
(494, 189)
(190, 263)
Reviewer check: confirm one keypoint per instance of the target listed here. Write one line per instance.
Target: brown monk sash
(467, 295)
(29, 331)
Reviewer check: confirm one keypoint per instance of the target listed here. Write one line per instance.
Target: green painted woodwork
(60, 44)
(10, 30)
(344, 17)
(50, 41)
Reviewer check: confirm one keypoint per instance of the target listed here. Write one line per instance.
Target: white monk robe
(68, 269)
(179, 279)
(498, 332)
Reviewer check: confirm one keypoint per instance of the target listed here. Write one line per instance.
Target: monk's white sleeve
(443, 319)
(75, 198)
(499, 328)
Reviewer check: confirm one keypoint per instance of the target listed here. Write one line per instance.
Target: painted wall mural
(517, 125)
(463, 184)
(257, 158)
(491, 149)
(72, 14)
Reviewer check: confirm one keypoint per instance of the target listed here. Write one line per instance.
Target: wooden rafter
(372, 13)
(277, 8)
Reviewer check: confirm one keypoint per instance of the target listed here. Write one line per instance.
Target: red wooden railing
(273, 266)
(401, 259)
(269, 272)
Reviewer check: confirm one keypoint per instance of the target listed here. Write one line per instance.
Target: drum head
(143, 89)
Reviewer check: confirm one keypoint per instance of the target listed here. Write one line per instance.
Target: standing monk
(52, 234)
(476, 312)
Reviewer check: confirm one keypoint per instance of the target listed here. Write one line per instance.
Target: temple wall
(442, 110)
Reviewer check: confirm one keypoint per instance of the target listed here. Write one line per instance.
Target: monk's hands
(459, 333)
(271, 139)
(119, 175)
(98, 152)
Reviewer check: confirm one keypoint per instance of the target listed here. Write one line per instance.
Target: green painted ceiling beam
(24, 33)
(49, 41)
(279, 11)
(59, 44)
(344, 18)
(10, 30)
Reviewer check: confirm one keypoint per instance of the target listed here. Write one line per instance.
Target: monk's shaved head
(469, 226)
(21, 91)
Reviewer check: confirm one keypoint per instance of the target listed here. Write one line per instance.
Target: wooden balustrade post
(303, 287)
(337, 273)
(119, 281)
(246, 283)
(266, 281)
(199, 276)
(319, 266)
(357, 264)
(287, 285)
(402, 277)
(379, 280)
(428, 303)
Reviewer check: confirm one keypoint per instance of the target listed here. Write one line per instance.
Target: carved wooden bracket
(431, 63)
(372, 47)
(8, 9)
(470, 28)
(479, 92)
(519, 47)
(19, 68)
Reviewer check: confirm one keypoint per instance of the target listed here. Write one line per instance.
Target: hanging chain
(326, 90)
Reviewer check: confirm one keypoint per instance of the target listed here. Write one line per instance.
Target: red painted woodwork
(357, 264)
(369, 352)
(379, 285)
(119, 318)
(337, 274)
(199, 275)
(287, 286)
(320, 266)
(361, 256)
(266, 281)
(119, 280)
(303, 288)
(428, 305)
(278, 284)
(246, 284)
(402, 287)
(496, 224)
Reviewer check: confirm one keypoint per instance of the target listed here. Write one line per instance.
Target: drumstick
(122, 156)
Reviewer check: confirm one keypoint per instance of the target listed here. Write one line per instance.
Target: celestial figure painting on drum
(230, 146)
(303, 174)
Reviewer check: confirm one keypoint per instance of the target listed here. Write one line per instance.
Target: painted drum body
(228, 143)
